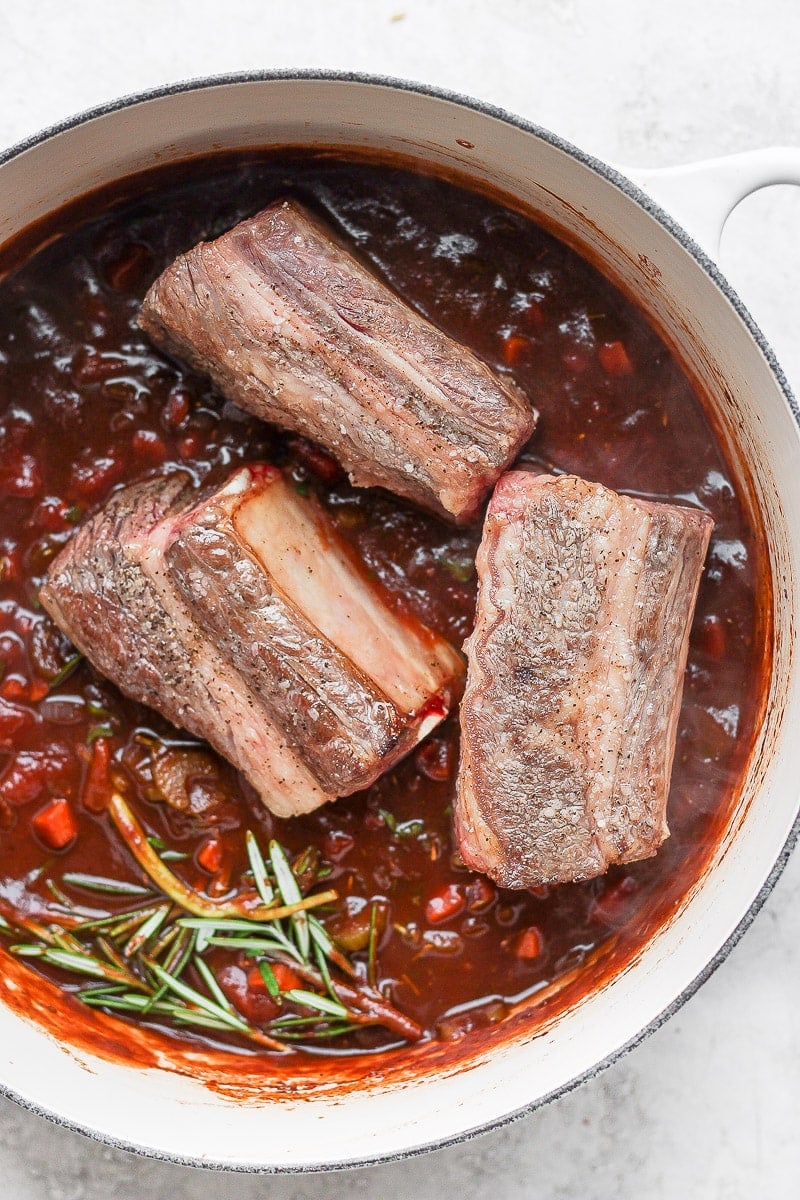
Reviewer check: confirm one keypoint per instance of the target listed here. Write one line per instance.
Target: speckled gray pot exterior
(161, 1113)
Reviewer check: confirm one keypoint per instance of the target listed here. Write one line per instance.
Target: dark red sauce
(86, 404)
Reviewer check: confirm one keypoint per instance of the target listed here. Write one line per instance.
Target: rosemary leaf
(83, 964)
(146, 929)
(259, 869)
(323, 939)
(99, 883)
(196, 998)
(259, 945)
(373, 946)
(322, 1003)
(99, 731)
(206, 974)
(270, 982)
(290, 894)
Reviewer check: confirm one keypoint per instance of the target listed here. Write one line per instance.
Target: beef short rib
(574, 678)
(243, 617)
(291, 326)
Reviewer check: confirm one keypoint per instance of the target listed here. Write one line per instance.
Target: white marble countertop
(707, 1106)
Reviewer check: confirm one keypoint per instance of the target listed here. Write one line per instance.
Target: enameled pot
(195, 1115)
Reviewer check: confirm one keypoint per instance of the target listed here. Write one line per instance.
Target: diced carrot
(13, 688)
(247, 990)
(528, 943)
(614, 359)
(285, 977)
(37, 690)
(255, 980)
(209, 855)
(96, 786)
(515, 349)
(448, 902)
(55, 824)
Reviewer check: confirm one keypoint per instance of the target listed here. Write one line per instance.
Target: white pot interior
(166, 1113)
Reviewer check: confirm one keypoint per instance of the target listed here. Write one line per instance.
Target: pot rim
(695, 251)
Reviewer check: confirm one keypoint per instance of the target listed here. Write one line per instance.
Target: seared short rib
(291, 326)
(243, 617)
(574, 680)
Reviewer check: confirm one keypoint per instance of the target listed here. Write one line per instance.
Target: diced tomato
(190, 445)
(97, 785)
(515, 349)
(24, 780)
(13, 719)
(614, 359)
(528, 943)
(711, 637)
(19, 477)
(49, 515)
(55, 824)
(176, 410)
(445, 904)
(149, 447)
(91, 480)
(90, 366)
(253, 1001)
(209, 854)
(435, 760)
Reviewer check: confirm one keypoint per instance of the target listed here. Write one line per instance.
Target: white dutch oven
(169, 1113)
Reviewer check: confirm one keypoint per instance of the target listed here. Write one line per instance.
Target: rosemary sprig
(290, 894)
(201, 906)
(156, 959)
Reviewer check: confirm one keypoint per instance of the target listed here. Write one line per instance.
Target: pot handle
(702, 195)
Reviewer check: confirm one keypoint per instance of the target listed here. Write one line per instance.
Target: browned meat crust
(575, 673)
(291, 326)
(181, 610)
